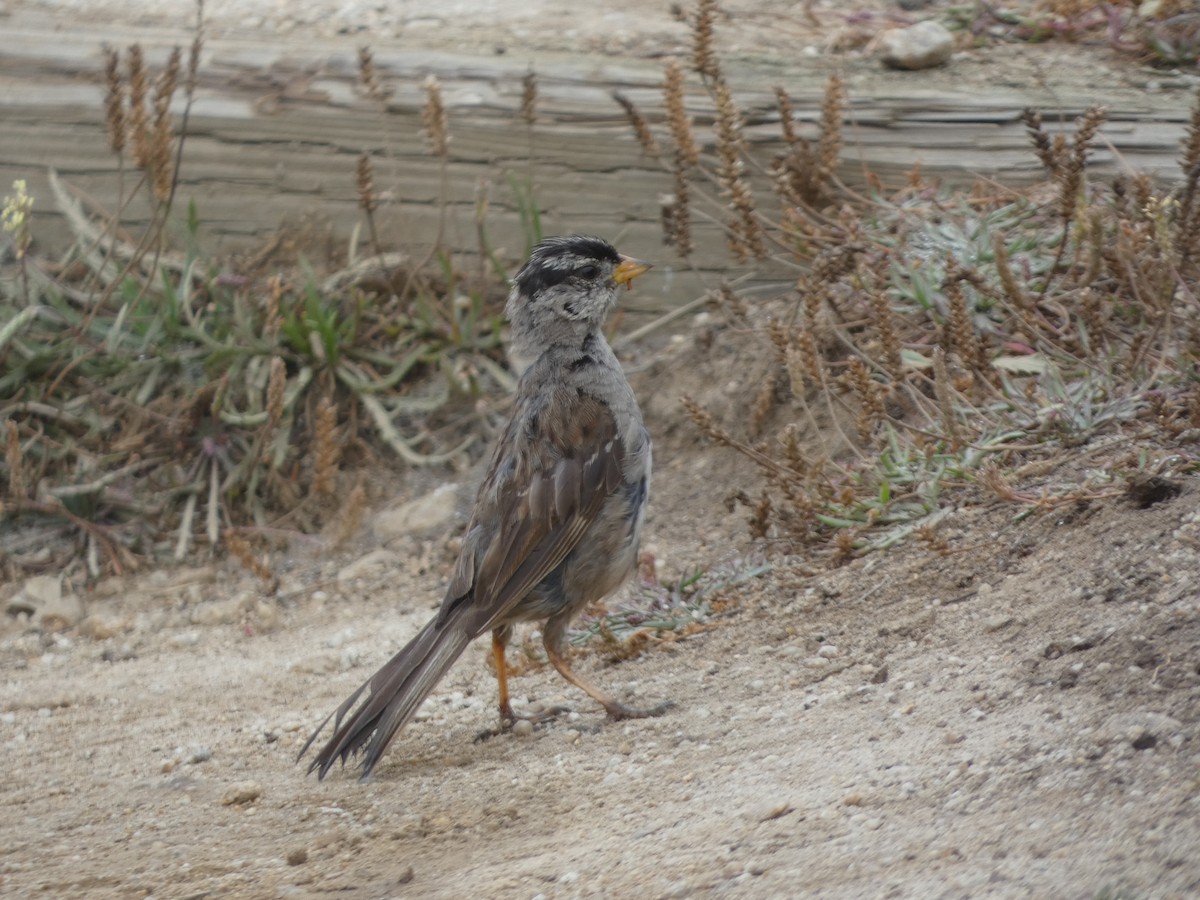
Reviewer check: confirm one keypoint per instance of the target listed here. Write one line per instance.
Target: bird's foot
(617, 712)
(509, 719)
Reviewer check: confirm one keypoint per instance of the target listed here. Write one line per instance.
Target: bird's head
(567, 288)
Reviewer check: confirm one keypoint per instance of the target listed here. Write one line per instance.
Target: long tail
(396, 691)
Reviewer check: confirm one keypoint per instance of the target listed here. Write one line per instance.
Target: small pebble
(297, 857)
(773, 811)
(522, 728)
(241, 793)
(995, 623)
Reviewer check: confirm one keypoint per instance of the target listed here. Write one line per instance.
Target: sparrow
(557, 518)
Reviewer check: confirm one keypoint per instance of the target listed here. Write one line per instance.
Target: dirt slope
(1017, 718)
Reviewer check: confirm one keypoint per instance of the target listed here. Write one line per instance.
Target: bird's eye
(589, 271)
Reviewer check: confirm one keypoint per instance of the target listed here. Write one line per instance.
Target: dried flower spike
(787, 116)
(368, 76)
(139, 134)
(114, 99)
(743, 230)
(832, 106)
(704, 57)
(529, 98)
(160, 166)
(364, 182)
(328, 452)
(1041, 141)
(676, 210)
(640, 127)
(677, 118)
(433, 119)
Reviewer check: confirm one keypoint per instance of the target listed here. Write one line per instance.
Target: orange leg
(554, 641)
(499, 642)
(500, 638)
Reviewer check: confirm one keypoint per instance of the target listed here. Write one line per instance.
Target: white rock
(919, 46)
(374, 562)
(422, 514)
(43, 599)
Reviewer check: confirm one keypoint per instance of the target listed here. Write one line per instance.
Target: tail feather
(396, 691)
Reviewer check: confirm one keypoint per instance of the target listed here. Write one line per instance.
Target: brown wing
(537, 506)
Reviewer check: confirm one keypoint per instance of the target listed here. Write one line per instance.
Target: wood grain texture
(276, 129)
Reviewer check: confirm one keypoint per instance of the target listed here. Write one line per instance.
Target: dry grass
(156, 404)
(948, 338)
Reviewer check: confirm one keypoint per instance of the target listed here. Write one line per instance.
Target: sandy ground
(1017, 718)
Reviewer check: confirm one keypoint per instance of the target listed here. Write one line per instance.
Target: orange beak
(629, 269)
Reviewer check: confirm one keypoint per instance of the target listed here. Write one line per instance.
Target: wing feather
(569, 460)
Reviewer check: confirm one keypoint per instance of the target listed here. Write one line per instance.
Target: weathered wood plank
(276, 130)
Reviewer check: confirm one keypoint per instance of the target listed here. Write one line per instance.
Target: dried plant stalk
(743, 231)
(349, 516)
(870, 396)
(781, 338)
(368, 76)
(1071, 173)
(704, 420)
(884, 321)
(1042, 145)
(1095, 248)
(433, 119)
(995, 481)
(804, 363)
(961, 332)
(734, 306)
(764, 402)
(328, 451)
(239, 548)
(276, 383)
(678, 120)
(1089, 311)
(160, 166)
(139, 133)
(704, 56)
(793, 454)
(830, 149)
(273, 317)
(1189, 209)
(529, 98)
(676, 210)
(114, 100)
(1008, 281)
(760, 516)
(797, 176)
(364, 183)
(13, 461)
(193, 68)
(787, 116)
(640, 127)
(1191, 145)
(944, 391)
(368, 200)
